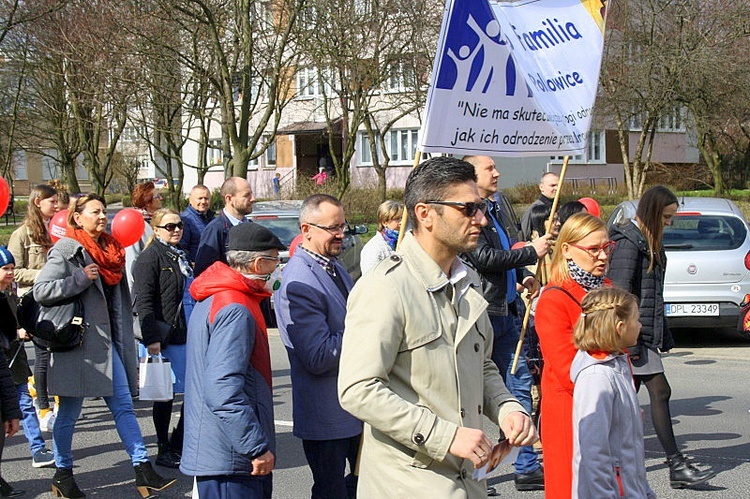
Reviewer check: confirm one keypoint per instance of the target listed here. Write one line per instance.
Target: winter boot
(64, 485)
(682, 473)
(167, 457)
(147, 480)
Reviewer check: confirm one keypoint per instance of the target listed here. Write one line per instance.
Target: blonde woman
(383, 243)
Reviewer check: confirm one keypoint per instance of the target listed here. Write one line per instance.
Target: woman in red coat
(578, 266)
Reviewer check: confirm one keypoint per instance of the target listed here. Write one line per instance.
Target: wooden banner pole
(541, 268)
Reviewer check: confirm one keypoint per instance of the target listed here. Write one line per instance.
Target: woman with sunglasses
(578, 266)
(638, 265)
(162, 277)
(88, 265)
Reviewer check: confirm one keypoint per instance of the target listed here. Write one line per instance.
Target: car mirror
(355, 230)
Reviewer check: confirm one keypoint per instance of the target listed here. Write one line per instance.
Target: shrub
(127, 201)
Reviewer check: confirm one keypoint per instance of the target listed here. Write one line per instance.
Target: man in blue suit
(310, 311)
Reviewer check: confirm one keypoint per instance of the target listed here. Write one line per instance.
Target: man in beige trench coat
(415, 363)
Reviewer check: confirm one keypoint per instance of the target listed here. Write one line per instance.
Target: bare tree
(247, 48)
(371, 58)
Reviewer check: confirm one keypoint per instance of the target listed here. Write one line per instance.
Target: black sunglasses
(469, 209)
(171, 227)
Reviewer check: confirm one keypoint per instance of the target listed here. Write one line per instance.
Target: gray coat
(87, 371)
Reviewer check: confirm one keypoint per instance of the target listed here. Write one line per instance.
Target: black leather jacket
(492, 263)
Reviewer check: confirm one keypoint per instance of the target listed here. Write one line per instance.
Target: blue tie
(510, 277)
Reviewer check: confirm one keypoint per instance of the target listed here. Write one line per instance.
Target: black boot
(146, 479)
(64, 485)
(683, 474)
(167, 457)
(7, 491)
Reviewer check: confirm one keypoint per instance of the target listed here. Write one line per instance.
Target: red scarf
(107, 253)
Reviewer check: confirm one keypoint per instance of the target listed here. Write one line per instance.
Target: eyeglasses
(332, 229)
(469, 209)
(270, 258)
(595, 251)
(171, 227)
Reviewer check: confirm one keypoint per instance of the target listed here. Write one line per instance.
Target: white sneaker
(48, 421)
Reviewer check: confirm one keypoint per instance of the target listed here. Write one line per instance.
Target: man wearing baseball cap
(229, 431)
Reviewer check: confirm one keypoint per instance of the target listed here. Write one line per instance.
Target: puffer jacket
(228, 399)
(628, 269)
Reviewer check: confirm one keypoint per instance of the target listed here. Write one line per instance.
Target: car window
(704, 233)
(285, 229)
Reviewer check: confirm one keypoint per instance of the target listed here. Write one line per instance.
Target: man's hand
(532, 287)
(11, 427)
(542, 245)
(518, 429)
(263, 464)
(471, 444)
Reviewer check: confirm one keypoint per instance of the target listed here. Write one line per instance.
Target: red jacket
(556, 315)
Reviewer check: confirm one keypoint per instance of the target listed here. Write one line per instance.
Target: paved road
(708, 373)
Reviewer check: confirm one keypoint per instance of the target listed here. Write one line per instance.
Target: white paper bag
(155, 379)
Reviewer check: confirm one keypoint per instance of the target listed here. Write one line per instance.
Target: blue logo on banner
(476, 53)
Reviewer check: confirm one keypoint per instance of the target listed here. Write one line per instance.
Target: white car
(708, 261)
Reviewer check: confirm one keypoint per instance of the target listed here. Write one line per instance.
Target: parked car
(708, 261)
(282, 218)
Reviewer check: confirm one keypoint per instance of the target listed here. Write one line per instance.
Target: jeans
(29, 422)
(121, 406)
(506, 336)
(234, 487)
(327, 460)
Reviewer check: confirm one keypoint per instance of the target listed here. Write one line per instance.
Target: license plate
(690, 309)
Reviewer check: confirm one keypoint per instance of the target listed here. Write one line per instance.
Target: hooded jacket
(228, 398)
(608, 448)
(628, 269)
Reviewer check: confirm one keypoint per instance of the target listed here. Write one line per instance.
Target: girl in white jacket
(608, 449)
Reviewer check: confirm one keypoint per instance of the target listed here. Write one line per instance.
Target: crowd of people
(391, 377)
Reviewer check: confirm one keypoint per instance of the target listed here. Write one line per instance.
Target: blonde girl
(608, 449)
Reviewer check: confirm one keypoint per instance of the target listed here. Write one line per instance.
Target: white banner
(514, 79)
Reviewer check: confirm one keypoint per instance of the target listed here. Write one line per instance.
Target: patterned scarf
(587, 280)
(185, 267)
(390, 236)
(107, 253)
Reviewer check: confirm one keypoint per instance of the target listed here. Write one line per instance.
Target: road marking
(279, 422)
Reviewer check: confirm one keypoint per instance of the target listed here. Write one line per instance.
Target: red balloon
(128, 226)
(293, 245)
(58, 225)
(591, 206)
(4, 195)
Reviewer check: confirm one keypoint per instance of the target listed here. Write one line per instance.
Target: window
(214, 152)
(310, 83)
(672, 120)
(595, 153)
(401, 77)
(271, 151)
(50, 164)
(20, 166)
(81, 172)
(401, 146)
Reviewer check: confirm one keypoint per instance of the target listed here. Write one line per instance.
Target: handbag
(56, 338)
(155, 379)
